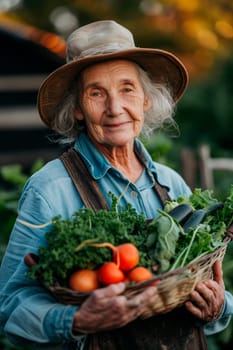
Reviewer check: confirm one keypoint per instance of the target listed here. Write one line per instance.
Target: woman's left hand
(206, 301)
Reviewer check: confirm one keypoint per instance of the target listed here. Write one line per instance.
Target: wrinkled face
(112, 102)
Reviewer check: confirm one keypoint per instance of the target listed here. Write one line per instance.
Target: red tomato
(110, 273)
(84, 280)
(128, 255)
(139, 274)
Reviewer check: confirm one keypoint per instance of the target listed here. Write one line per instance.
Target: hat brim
(162, 66)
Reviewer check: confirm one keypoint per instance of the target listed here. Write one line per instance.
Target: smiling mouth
(118, 125)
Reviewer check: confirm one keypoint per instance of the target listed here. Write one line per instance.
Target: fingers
(103, 310)
(111, 309)
(108, 292)
(207, 299)
(103, 299)
(147, 301)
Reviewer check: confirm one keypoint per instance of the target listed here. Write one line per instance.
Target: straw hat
(105, 40)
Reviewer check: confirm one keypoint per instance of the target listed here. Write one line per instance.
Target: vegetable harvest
(115, 242)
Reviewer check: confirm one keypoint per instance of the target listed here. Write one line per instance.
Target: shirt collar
(149, 163)
(95, 161)
(98, 164)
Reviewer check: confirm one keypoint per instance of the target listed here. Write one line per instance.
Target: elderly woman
(107, 94)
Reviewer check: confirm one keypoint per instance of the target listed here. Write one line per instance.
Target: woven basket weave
(173, 288)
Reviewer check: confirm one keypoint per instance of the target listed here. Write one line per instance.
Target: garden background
(200, 33)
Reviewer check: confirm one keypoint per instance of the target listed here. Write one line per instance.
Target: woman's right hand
(107, 308)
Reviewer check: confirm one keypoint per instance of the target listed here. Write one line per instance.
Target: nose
(113, 105)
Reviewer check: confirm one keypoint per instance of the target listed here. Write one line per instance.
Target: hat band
(101, 50)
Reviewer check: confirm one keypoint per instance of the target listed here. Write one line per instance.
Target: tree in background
(199, 31)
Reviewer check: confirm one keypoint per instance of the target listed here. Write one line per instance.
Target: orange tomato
(110, 273)
(128, 256)
(84, 280)
(139, 274)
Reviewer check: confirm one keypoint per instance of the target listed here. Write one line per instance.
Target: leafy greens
(162, 242)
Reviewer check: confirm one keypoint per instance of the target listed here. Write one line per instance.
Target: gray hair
(159, 116)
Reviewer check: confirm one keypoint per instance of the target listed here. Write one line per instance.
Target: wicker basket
(173, 288)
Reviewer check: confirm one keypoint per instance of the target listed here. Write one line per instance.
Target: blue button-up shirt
(28, 314)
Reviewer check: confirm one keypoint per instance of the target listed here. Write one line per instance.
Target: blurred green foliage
(12, 180)
(205, 113)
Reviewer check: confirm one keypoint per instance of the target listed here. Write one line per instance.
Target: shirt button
(134, 194)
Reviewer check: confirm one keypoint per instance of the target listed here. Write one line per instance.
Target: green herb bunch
(69, 241)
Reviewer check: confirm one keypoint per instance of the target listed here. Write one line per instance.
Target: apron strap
(84, 183)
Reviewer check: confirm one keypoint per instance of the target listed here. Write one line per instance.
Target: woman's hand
(206, 301)
(107, 308)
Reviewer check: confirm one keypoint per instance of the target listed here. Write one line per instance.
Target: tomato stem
(111, 246)
(91, 243)
(85, 243)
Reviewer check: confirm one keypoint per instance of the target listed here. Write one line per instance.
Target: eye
(128, 89)
(95, 93)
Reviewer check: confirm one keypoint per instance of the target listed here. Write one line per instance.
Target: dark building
(24, 63)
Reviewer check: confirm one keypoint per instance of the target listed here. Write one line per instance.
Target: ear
(147, 104)
(78, 114)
